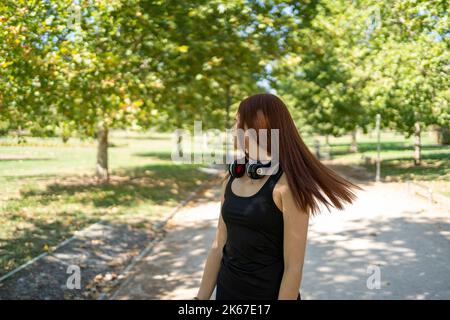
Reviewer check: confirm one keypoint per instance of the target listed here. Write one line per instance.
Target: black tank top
(252, 264)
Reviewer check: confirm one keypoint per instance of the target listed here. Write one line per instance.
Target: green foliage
(81, 64)
(70, 65)
(360, 58)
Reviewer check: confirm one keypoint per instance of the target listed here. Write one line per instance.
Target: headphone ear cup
(239, 170)
(236, 170)
(251, 171)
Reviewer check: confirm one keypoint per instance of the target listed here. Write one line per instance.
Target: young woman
(260, 242)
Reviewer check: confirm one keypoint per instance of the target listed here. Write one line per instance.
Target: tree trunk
(444, 135)
(354, 145)
(180, 146)
(227, 103)
(417, 144)
(327, 139)
(102, 154)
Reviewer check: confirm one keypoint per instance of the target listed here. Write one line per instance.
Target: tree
(323, 74)
(93, 65)
(409, 61)
(28, 40)
(355, 60)
(222, 49)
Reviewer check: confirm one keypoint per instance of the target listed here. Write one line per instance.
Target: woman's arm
(295, 235)
(212, 265)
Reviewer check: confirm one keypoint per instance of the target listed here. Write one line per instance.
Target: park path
(172, 269)
(387, 232)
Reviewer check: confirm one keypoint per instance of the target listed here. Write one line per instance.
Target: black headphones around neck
(237, 170)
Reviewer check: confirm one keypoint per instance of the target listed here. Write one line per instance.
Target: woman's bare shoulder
(282, 185)
(279, 191)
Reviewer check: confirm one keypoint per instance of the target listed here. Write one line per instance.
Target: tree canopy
(87, 66)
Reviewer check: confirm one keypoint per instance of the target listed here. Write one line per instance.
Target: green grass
(48, 190)
(397, 158)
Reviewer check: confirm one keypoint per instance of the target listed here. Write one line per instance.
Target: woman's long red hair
(309, 180)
